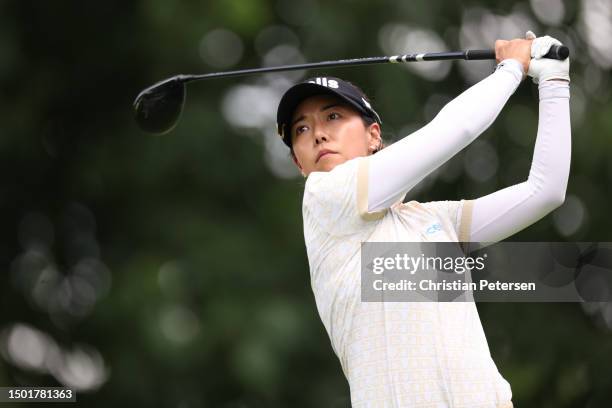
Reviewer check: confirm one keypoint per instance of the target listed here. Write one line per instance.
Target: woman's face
(326, 131)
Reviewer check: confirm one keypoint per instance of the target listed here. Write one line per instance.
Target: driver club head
(158, 107)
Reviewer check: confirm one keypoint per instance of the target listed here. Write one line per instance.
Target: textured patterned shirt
(394, 354)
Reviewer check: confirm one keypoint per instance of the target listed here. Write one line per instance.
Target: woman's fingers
(498, 48)
(518, 49)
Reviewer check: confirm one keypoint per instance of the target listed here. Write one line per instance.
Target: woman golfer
(421, 354)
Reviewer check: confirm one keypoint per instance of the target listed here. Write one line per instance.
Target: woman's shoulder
(342, 169)
(340, 178)
(444, 208)
(412, 205)
(429, 205)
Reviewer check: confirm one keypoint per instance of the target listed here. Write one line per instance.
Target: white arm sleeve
(398, 168)
(503, 213)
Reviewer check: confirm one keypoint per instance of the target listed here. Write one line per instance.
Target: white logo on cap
(332, 83)
(366, 103)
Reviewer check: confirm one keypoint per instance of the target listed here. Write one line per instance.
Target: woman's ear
(374, 137)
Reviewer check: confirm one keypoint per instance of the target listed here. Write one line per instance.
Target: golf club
(159, 107)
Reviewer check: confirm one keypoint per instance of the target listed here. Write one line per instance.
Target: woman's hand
(518, 49)
(544, 69)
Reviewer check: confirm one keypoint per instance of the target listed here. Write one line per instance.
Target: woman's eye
(300, 129)
(333, 115)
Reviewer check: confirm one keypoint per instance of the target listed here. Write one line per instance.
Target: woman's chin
(329, 161)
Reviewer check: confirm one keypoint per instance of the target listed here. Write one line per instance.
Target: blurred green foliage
(209, 301)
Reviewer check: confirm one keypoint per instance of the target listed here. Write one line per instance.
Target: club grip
(559, 52)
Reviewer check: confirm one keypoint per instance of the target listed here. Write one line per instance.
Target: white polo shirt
(394, 354)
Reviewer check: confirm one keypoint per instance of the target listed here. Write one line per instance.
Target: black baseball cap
(317, 86)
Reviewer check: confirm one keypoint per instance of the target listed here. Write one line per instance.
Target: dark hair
(367, 121)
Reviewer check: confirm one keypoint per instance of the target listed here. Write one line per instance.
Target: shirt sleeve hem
(362, 193)
(466, 221)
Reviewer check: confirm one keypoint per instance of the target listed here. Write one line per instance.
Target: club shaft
(556, 52)
(339, 63)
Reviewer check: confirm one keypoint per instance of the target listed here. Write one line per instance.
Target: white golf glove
(543, 69)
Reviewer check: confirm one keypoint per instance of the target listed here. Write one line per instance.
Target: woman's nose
(320, 136)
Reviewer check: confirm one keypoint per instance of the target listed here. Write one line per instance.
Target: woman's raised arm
(396, 169)
(503, 213)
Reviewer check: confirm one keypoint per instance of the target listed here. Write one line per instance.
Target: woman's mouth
(322, 153)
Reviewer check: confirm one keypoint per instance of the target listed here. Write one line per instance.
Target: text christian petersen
(454, 268)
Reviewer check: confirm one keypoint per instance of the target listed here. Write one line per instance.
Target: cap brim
(295, 95)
